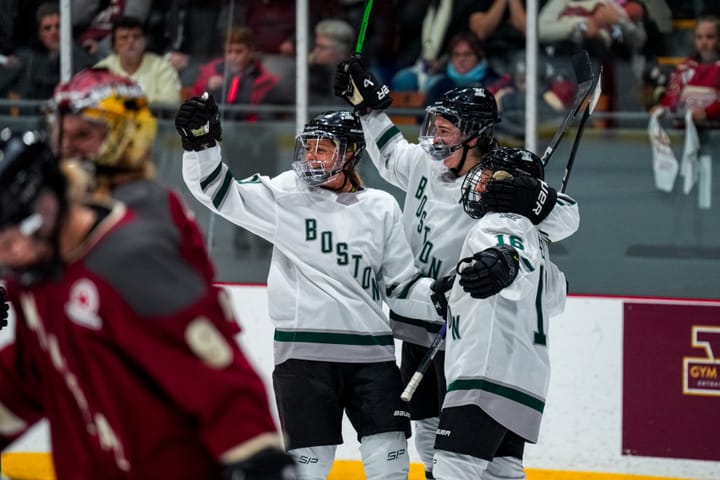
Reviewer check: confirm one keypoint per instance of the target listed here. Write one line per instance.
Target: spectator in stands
(156, 75)
(609, 31)
(467, 67)
(187, 34)
(695, 83)
(555, 91)
(334, 42)
(500, 25)
(93, 21)
(41, 62)
(237, 78)
(440, 21)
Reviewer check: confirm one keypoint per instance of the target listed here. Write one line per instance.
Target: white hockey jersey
(433, 216)
(336, 258)
(496, 349)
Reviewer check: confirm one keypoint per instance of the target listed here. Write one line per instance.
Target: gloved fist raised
(198, 123)
(486, 273)
(523, 195)
(439, 287)
(358, 86)
(4, 308)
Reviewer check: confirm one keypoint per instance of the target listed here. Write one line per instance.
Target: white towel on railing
(665, 165)
(689, 164)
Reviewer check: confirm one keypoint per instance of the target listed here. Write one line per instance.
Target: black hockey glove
(439, 300)
(198, 123)
(358, 86)
(267, 464)
(486, 273)
(523, 195)
(4, 308)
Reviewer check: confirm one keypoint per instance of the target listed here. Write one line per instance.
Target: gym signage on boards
(671, 379)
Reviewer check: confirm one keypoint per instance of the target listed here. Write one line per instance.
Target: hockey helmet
(330, 143)
(29, 169)
(473, 110)
(500, 163)
(98, 95)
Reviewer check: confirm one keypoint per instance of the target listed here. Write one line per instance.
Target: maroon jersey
(131, 357)
(695, 85)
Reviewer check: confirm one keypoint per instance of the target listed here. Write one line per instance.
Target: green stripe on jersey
(219, 196)
(385, 137)
(503, 391)
(211, 178)
(333, 338)
(430, 327)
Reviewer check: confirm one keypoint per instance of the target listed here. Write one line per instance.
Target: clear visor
(318, 157)
(439, 134)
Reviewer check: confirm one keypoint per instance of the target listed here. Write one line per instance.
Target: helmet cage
(471, 198)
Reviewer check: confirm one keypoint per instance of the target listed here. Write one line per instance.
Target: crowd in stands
(244, 52)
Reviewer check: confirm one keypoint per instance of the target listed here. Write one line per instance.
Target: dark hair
(471, 39)
(127, 22)
(243, 35)
(46, 9)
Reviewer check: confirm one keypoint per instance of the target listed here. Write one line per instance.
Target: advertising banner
(671, 380)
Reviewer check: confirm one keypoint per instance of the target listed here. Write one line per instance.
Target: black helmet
(516, 162)
(471, 109)
(27, 167)
(343, 128)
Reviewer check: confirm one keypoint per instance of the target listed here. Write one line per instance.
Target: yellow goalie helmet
(99, 95)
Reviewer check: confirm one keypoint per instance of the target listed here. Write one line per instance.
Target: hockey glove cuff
(198, 123)
(439, 287)
(486, 273)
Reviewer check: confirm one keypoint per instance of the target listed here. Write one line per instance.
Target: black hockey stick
(586, 82)
(417, 377)
(589, 109)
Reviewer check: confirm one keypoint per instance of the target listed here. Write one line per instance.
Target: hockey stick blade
(582, 67)
(589, 109)
(417, 377)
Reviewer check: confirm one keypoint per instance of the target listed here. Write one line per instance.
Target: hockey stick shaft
(363, 27)
(589, 109)
(573, 151)
(417, 377)
(586, 81)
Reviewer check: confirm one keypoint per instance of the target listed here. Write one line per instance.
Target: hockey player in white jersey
(339, 253)
(457, 132)
(496, 351)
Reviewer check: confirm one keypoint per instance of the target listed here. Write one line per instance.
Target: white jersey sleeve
(249, 203)
(393, 156)
(563, 220)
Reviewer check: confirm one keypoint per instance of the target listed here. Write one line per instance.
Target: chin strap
(466, 148)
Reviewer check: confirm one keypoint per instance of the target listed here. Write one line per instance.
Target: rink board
(612, 357)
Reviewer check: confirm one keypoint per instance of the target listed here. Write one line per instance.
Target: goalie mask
(472, 110)
(499, 164)
(33, 201)
(100, 96)
(330, 143)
